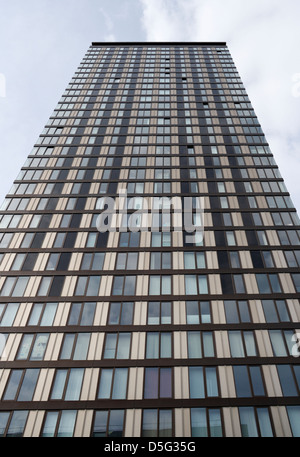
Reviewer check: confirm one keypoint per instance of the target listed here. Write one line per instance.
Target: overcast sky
(43, 42)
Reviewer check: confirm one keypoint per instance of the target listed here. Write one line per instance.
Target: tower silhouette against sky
(150, 258)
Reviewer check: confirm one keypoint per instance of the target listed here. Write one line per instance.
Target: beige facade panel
(83, 424)
(11, 347)
(232, 423)
(101, 313)
(251, 284)
(23, 314)
(180, 345)
(133, 423)
(222, 344)
(62, 314)
(227, 384)
(34, 424)
(179, 312)
(182, 422)
(89, 384)
(181, 382)
(44, 383)
(218, 312)
(135, 383)
(272, 381)
(256, 311)
(294, 309)
(263, 343)
(53, 346)
(138, 345)
(215, 284)
(140, 313)
(281, 422)
(287, 283)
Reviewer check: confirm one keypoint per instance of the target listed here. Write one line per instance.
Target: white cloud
(263, 38)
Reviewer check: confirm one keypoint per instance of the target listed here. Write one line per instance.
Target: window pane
(264, 422)
(242, 384)
(28, 385)
(116, 420)
(270, 311)
(3, 422)
(205, 312)
(236, 344)
(166, 345)
(165, 423)
(17, 424)
(202, 282)
(39, 346)
(194, 345)
(250, 344)
(74, 384)
(105, 383)
(67, 423)
(152, 348)
(151, 383)
(59, 384)
(100, 424)
(120, 383)
(199, 422)
(110, 346)
(211, 382)
(124, 346)
(13, 384)
(287, 381)
(82, 346)
(231, 312)
(192, 312)
(191, 285)
(49, 314)
(215, 424)
(196, 382)
(166, 285)
(257, 382)
(114, 313)
(149, 427)
(127, 313)
(248, 423)
(23, 352)
(50, 424)
(277, 343)
(165, 383)
(294, 417)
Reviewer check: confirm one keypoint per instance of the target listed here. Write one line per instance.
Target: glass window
(8, 314)
(294, 418)
(197, 312)
(17, 424)
(157, 423)
(113, 383)
(287, 381)
(160, 285)
(200, 344)
(120, 313)
(82, 313)
(255, 423)
(117, 346)
(159, 313)
(203, 382)
(158, 383)
(158, 345)
(108, 423)
(206, 422)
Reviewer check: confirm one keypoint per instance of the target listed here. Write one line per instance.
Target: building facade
(148, 318)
